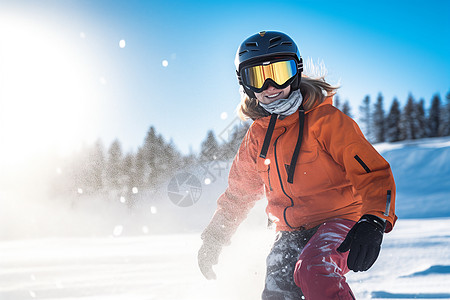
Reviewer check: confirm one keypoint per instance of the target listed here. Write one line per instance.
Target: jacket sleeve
(245, 187)
(367, 170)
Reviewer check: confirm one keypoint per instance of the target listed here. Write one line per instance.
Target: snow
(422, 173)
(90, 250)
(414, 263)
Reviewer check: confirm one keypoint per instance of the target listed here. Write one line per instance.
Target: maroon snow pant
(306, 265)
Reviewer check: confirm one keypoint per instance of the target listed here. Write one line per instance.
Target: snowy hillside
(92, 250)
(422, 174)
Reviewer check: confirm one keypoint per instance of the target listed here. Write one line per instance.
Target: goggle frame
(295, 66)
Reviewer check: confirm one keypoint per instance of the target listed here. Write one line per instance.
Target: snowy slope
(89, 250)
(422, 174)
(414, 264)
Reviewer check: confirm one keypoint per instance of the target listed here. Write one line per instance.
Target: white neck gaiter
(285, 107)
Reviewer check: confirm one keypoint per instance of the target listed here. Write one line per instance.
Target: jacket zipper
(268, 177)
(388, 203)
(281, 184)
(362, 163)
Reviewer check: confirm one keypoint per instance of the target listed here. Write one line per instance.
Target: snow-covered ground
(91, 251)
(414, 263)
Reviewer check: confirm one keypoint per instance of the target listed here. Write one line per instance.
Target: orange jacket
(338, 174)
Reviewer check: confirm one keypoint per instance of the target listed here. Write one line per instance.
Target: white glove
(208, 255)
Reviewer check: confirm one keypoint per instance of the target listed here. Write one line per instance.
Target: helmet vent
(275, 39)
(251, 44)
(286, 43)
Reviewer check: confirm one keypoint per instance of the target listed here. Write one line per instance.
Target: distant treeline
(413, 121)
(95, 170)
(109, 171)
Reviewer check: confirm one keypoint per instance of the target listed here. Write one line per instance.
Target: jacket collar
(291, 119)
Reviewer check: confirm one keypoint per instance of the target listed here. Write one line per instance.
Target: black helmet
(264, 46)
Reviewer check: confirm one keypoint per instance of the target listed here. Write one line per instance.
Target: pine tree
(393, 133)
(96, 166)
(209, 149)
(141, 169)
(231, 147)
(434, 117)
(337, 102)
(83, 173)
(407, 121)
(189, 160)
(346, 109)
(130, 177)
(150, 154)
(444, 129)
(378, 121)
(161, 163)
(173, 159)
(157, 160)
(421, 123)
(129, 171)
(366, 118)
(114, 168)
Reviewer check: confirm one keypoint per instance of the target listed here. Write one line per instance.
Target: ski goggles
(279, 73)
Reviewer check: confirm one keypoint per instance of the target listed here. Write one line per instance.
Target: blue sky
(102, 90)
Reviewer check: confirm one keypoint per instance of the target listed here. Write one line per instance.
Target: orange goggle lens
(280, 72)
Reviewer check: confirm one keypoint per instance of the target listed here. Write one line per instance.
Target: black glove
(364, 242)
(208, 255)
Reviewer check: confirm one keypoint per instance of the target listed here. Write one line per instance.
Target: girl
(330, 194)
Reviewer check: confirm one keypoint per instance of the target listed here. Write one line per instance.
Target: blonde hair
(314, 92)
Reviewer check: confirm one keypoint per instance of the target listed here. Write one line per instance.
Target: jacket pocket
(310, 176)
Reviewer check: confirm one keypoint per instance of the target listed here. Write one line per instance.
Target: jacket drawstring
(268, 137)
(301, 121)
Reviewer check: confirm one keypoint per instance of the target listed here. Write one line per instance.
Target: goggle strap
(301, 121)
